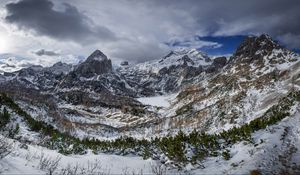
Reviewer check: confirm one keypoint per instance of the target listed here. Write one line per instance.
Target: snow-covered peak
(188, 57)
(60, 68)
(36, 67)
(182, 51)
(178, 55)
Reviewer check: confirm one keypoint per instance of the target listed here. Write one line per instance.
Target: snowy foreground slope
(278, 146)
(182, 113)
(28, 161)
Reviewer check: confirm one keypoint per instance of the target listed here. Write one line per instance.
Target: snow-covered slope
(272, 150)
(29, 161)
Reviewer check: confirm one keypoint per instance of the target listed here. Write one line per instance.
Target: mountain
(97, 63)
(257, 75)
(168, 74)
(185, 111)
(259, 70)
(88, 90)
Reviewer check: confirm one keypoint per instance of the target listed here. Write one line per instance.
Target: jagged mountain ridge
(93, 95)
(169, 73)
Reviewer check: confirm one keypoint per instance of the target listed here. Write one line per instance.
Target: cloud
(69, 24)
(131, 51)
(192, 42)
(234, 17)
(292, 40)
(138, 30)
(43, 52)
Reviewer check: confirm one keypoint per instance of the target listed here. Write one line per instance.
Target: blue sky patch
(229, 44)
(212, 45)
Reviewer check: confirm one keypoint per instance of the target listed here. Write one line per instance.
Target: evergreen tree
(4, 118)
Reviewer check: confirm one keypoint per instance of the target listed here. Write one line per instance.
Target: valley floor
(159, 101)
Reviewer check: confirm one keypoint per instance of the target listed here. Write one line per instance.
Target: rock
(124, 63)
(219, 62)
(187, 60)
(24, 146)
(211, 69)
(8, 74)
(191, 72)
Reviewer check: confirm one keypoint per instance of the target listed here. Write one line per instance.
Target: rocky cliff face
(253, 47)
(96, 64)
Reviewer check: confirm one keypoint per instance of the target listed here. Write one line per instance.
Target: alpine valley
(184, 113)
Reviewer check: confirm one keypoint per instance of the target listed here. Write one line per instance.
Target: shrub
(4, 118)
(226, 154)
(5, 147)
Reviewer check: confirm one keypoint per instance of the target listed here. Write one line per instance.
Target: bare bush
(5, 147)
(159, 169)
(126, 171)
(92, 167)
(138, 172)
(49, 164)
(29, 156)
(69, 170)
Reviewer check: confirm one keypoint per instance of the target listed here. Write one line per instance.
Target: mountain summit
(97, 63)
(97, 55)
(264, 53)
(256, 47)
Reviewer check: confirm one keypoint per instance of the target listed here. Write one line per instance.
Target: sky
(139, 30)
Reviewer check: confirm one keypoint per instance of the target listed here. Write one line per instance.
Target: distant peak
(266, 39)
(169, 54)
(97, 63)
(184, 50)
(97, 55)
(265, 36)
(58, 63)
(97, 52)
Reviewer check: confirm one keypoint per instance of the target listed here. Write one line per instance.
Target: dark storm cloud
(40, 17)
(139, 29)
(43, 52)
(278, 18)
